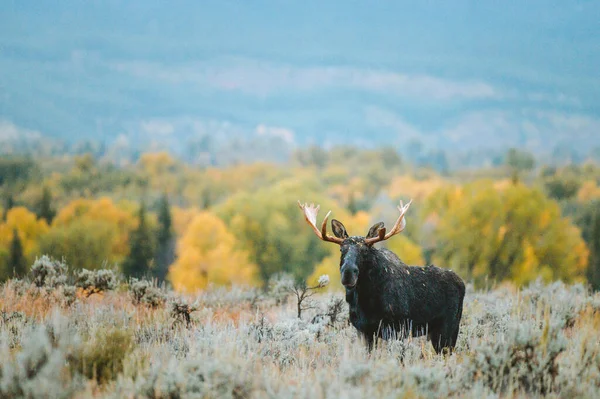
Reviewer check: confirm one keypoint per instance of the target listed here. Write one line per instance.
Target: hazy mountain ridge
(461, 78)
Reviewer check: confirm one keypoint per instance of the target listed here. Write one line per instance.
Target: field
(187, 190)
(111, 339)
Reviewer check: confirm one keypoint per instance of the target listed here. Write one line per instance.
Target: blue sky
(464, 74)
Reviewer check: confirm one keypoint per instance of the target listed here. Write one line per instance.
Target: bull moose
(388, 298)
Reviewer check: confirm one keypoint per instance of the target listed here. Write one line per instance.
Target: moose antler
(398, 226)
(310, 214)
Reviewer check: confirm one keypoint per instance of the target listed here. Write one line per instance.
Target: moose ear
(374, 230)
(338, 229)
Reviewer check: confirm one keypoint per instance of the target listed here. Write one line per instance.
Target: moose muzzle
(349, 274)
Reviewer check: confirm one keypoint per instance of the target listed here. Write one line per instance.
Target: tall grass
(238, 343)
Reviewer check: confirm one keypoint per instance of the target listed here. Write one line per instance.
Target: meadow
(159, 164)
(77, 334)
(178, 280)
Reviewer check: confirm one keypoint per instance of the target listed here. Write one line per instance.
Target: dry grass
(539, 341)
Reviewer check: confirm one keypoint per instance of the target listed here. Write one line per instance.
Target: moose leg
(370, 339)
(440, 334)
(455, 335)
(457, 323)
(455, 329)
(435, 335)
(443, 336)
(449, 332)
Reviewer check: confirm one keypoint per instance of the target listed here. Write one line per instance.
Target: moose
(386, 297)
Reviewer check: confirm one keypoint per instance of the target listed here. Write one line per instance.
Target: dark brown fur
(388, 298)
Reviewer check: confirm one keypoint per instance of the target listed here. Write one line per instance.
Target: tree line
(192, 226)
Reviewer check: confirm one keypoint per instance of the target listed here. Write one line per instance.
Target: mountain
(460, 76)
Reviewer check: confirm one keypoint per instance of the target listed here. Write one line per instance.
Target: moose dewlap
(388, 298)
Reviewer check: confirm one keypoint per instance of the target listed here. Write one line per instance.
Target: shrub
(303, 294)
(280, 287)
(527, 361)
(539, 341)
(14, 325)
(101, 359)
(39, 369)
(181, 311)
(334, 315)
(146, 293)
(48, 273)
(197, 378)
(49, 279)
(96, 281)
(66, 294)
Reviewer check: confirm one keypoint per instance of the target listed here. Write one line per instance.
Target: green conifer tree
(593, 241)
(16, 260)
(9, 203)
(165, 240)
(138, 262)
(45, 210)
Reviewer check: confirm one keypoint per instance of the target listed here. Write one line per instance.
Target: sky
(460, 74)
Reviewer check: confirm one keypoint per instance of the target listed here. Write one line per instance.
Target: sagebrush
(242, 343)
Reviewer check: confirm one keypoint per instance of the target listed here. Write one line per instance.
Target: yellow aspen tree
(208, 253)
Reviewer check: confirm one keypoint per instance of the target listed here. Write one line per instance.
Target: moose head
(356, 251)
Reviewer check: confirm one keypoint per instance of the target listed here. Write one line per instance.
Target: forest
(165, 279)
(191, 226)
